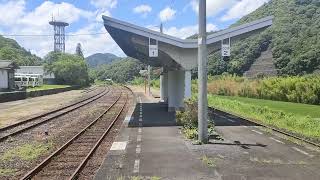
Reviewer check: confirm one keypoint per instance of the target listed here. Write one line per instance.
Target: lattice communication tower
(59, 35)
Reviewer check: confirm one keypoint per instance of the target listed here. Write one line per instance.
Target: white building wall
(34, 70)
(3, 79)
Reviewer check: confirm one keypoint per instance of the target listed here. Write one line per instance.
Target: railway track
(69, 160)
(266, 126)
(30, 123)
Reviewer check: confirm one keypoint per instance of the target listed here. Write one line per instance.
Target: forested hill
(98, 59)
(294, 39)
(11, 50)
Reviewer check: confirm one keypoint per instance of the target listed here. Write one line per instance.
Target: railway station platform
(150, 146)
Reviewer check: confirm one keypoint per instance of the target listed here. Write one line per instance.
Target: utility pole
(149, 80)
(202, 75)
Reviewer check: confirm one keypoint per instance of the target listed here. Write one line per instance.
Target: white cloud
(243, 8)
(10, 11)
(102, 4)
(214, 7)
(35, 22)
(184, 32)
(93, 43)
(167, 14)
(143, 9)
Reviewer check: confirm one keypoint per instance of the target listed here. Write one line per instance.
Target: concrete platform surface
(152, 147)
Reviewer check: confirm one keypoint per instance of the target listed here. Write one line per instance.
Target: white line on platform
(136, 166)
(231, 120)
(245, 126)
(258, 132)
(118, 146)
(140, 130)
(277, 140)
(138, 149)
(139, 137)
(140, 101)
(301, 151)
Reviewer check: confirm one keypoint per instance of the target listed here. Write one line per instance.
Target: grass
(26, 152)
(7, 172)
(288, 107)
(210, 162)
(299, 124)
(46, 87)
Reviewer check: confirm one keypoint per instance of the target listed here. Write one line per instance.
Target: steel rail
(6, 136)
(45, 162)
(84, 162)
(48, 113)
(266, 126)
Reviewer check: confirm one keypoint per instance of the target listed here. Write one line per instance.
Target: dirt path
(15, 111)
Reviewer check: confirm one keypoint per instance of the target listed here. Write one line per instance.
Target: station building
(48, 78)
(7, 70)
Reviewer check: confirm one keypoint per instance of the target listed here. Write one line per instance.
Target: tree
(67, 68)
(119, 71)
(79, 50)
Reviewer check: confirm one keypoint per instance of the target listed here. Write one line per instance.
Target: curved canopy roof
(134, 41)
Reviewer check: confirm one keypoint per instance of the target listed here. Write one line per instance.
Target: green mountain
(294, 40)
(98, 59)
(122, 70)
(11, 50)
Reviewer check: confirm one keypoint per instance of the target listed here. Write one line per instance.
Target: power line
(50, 35)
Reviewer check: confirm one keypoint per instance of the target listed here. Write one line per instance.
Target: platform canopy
(174, 53)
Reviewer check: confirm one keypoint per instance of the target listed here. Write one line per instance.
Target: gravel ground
(96, 160)
(16, 111)
(60, 130)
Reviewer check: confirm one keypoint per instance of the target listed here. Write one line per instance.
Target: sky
(179, 18)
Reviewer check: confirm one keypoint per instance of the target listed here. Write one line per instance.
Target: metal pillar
(202, 75)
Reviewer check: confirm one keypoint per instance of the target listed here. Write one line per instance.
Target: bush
(299, 89)
(188, 119)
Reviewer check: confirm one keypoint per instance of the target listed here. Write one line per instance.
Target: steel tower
(59, 35)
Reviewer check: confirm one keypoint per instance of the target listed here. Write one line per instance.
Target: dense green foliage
(67, 68)
(98, 59)
(11, 50)
(120, 71)
(299, 89)
(294, 39)
(301, 125)
(288, 107)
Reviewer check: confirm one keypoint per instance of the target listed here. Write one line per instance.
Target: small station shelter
(177, 57)
(7, 69)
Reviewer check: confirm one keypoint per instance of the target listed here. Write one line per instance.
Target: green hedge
(299, 89)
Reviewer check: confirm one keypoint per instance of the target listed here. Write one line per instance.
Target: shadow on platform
(154, 114)
(225, 119)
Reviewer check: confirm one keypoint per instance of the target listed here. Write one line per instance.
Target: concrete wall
(19, 95)
(4, 79)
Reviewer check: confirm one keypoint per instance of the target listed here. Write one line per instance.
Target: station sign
(143, 72)
(153, 48)
(225, 48)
